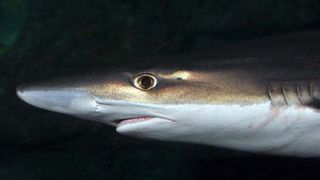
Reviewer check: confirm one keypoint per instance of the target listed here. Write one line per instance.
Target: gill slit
(298, 92)
(269, 92)
(311, 88)
(284, 94)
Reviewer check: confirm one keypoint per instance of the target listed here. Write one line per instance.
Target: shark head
(259, 96)
(153, 103)
(226, 107)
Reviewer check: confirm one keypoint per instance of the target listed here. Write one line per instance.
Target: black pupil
(146, 82)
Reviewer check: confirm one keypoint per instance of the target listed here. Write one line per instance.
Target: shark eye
(145, 82)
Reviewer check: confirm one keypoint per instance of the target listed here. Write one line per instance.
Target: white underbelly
(287, 130)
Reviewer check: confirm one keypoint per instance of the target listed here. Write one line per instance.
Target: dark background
(41, 39)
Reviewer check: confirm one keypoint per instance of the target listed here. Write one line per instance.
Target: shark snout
(63, 100)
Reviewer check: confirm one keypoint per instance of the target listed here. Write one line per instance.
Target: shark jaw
(126, 117)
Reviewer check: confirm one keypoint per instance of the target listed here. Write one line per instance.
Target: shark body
(257, 96)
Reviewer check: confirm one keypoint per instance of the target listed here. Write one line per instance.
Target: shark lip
(121, 122)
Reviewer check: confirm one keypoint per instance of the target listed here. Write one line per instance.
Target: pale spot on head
(177, 75)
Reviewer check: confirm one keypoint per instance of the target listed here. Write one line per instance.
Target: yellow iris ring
(145, 81)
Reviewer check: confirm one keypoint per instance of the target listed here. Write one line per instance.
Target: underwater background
(41, 39)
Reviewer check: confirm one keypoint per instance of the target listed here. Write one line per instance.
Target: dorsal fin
(300, 92)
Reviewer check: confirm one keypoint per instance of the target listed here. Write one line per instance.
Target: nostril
(19, 91)
(24, 93)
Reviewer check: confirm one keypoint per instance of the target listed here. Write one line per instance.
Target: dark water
(40, 39)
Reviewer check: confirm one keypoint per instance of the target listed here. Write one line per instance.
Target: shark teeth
(132, 120)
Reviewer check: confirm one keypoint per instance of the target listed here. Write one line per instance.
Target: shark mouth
(122, 122)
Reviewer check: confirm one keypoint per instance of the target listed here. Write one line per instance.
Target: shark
(260, 95)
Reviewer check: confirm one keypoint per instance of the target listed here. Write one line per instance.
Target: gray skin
(282, 70)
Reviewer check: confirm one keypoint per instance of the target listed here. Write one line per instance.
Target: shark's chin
(143, 126)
